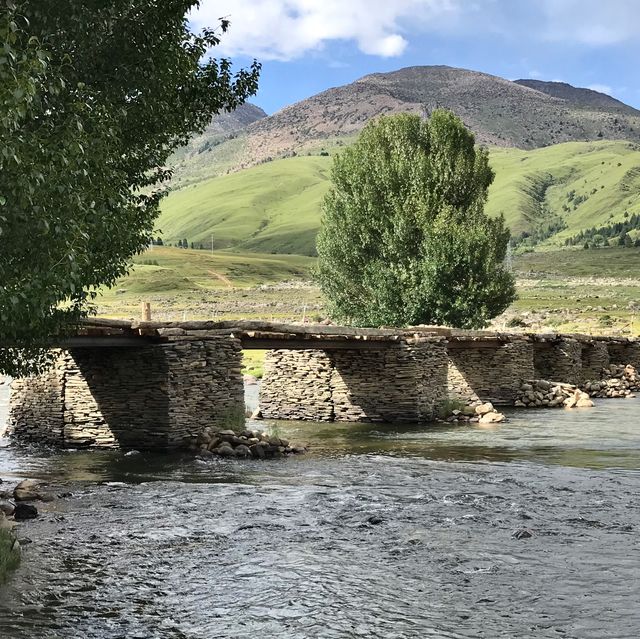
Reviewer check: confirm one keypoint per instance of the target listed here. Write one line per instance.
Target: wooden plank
(105, 341)
(272, 327)
(256, 343)
(105, 322)
(266, 335)
(462, 344)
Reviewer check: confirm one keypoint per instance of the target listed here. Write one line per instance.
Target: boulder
(27, 490)
(7, 508)
(25, 511)
(494, 417)
(242, 451)
(214, 443)
(483, 409)
(257, 451)
(523, 533)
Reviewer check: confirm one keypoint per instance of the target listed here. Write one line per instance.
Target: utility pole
(212, 244)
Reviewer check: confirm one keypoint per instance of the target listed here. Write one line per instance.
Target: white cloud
(601, 88)
(286, 29)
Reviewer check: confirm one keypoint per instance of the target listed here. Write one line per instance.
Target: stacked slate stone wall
(404, 382)
(432, 364)
(624, 352)
(595, 358)
(205, 386)
(38, 406)
(152, 397)
(559, 360)
(297, 385)
(493, 374)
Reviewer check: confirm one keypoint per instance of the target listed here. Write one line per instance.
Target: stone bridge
(154, 385)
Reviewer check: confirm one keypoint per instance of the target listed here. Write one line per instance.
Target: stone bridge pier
(401, 382)
(624, 352)
(558, 360)
(489, 370)
(147, 396)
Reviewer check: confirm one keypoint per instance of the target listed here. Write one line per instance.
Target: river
(380, 531)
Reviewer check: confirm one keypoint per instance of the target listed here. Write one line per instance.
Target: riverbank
(524, 529)
(9, 553)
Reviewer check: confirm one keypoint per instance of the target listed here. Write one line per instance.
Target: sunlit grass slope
(269, 208)
(171, 270)
(621, 263)
(586, 184)
(275, 207)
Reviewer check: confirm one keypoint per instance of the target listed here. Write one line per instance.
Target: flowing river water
(380, 531)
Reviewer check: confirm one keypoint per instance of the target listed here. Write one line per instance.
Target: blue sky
(307, 46)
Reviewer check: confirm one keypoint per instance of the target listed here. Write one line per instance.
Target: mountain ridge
(524, 114)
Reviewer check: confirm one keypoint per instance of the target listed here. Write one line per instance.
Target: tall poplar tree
(404, 238)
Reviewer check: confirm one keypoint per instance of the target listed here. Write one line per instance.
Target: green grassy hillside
(584, 184)
(164, 268)
(275, 207)
(199, 284)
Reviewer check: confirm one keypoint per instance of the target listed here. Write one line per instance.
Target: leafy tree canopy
(94, 97)
(405, 239)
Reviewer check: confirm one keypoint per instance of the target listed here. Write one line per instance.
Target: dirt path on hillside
(222, 278)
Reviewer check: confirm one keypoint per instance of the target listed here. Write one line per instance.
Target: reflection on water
(381, 531)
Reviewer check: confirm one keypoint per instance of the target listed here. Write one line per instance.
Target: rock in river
(25, 511)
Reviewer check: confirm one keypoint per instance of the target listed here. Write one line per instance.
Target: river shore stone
(257, 451)
(617, 381)
(485, 408)
(28, 490)
(249, 443)
(7, 508)
(25, 511)
(542, 393)
(522, 533)
(242, 451)
(493, 417)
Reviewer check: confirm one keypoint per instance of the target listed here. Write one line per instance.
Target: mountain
(556, 192)
(223, 128)
(525, 114)
(587, 98)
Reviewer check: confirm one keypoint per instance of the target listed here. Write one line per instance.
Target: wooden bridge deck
(258, 334)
